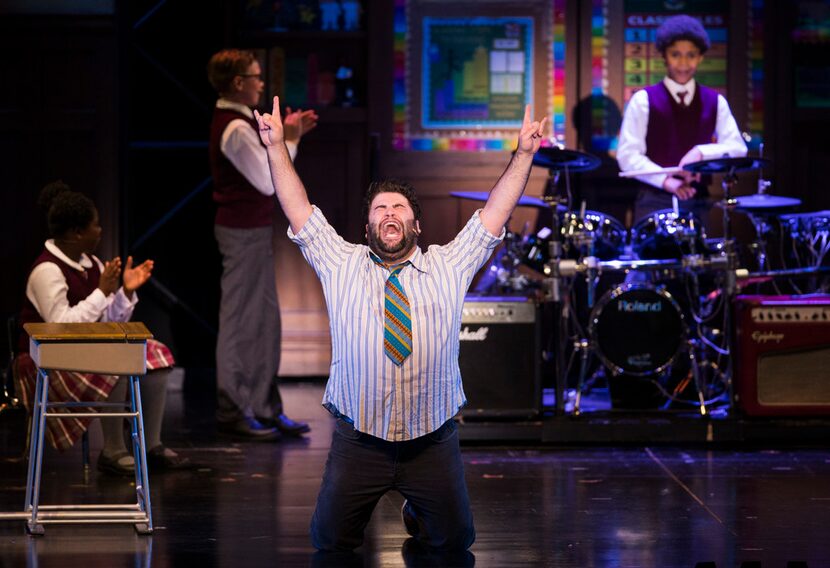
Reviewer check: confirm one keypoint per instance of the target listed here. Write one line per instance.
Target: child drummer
(676, 122)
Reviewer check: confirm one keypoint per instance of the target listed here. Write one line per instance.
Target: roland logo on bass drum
(478, 335)
(640, 307)
(639, 360)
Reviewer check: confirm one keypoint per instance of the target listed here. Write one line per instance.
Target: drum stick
(635, 173)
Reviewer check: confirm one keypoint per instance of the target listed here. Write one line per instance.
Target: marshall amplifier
(783, 355)
(500, 357)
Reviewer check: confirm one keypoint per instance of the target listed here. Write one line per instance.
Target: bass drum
(637, 329)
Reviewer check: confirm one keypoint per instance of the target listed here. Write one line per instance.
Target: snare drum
(662, 235)
(637, 329)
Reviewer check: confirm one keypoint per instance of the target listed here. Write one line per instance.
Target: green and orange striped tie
(397, 328)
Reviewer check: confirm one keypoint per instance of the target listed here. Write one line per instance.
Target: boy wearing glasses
(248, 346)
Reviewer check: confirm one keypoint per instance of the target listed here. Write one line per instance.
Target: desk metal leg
(33, 435)
(36, 452)
(142, 481)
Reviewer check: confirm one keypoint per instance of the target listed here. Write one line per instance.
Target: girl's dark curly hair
(66, 210)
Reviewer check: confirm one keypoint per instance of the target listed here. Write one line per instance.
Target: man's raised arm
(289, 189)
(505, 194)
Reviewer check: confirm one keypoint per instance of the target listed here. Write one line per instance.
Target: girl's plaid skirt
(68, 386)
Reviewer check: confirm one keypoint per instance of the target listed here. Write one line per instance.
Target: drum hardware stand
(730, 281)
(680, 232)
(727, 261)
(551, 189)
(507, 280)
(585, 241)
(582, 346)
(762, 228)
(763, 184)
(692, 264)
(557, 159)
(591, 277)
(692, 347)
(569, 204)
(759, 222)
(510, 262)
(556, 269)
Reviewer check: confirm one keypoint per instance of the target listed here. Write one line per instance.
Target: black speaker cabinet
(500, 356)
(783, 355)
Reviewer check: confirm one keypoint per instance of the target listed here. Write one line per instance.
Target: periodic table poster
(643, 64)
(477, 72)
(465, 69)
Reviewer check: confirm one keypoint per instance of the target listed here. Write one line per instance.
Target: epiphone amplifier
(500, 357)
(783, 355)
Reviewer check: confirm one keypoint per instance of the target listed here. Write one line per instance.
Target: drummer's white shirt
(631, 152)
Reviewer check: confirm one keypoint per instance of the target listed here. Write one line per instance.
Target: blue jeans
(427, 471)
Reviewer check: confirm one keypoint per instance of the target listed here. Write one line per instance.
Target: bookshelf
(315, 57)
(313, 52)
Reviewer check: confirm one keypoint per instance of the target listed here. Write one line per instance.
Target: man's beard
(393, 251)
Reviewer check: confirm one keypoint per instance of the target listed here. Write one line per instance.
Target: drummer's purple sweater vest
(238, 203)
(674, 129)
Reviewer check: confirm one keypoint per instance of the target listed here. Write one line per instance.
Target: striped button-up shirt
(365, 386)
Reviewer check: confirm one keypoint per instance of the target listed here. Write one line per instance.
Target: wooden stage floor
(561, 505)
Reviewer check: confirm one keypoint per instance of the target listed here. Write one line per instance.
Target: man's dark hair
(678, 28)
(227, 64)
(66, 210)
(391, 186)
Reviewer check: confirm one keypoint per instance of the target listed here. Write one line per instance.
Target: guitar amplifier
(500, 356)
(783, 355)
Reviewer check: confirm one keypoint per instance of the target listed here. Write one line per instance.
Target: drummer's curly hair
(678, 28)
(66, 210)
(391, 186)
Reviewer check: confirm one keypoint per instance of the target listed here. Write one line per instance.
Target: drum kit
(653, 302)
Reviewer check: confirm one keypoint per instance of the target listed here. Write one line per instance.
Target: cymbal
(726, 165)
(524, 200)
(558, 159)
(763, 202)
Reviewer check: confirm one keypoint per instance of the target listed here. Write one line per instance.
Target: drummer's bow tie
(397, 325)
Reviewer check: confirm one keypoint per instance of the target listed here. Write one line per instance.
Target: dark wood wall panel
(57, 120)
(332, 163)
